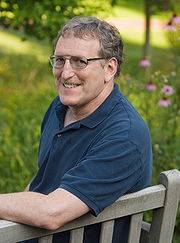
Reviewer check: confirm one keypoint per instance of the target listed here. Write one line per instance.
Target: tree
(151, 7)
(148, 13)
(44, 19)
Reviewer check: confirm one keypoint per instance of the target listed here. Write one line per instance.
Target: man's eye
(82, 61)
(59, 59)
(79, 60)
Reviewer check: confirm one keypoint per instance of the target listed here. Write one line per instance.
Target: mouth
(70, 85)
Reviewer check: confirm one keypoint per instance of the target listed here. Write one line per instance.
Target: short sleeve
(110, 169)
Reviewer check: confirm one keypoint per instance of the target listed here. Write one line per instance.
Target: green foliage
(43, 20)
(24, 99)
(165, 5)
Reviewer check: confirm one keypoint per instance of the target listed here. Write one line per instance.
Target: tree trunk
(147, 48)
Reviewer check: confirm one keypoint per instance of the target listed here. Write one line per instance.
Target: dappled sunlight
(10, 42)
(158, 39)
(125, 12)
(133, 30)
(134, 37)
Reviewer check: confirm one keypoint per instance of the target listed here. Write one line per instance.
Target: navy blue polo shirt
(98, 158)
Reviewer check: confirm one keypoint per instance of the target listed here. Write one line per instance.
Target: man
(94, 145)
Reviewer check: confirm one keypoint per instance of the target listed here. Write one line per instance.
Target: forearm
(46, 211)
(23, 207)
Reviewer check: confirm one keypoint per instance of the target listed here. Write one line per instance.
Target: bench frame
(162, 199)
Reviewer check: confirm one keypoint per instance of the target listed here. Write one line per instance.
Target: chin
(68, 102)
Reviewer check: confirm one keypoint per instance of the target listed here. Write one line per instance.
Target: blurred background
(150, 76)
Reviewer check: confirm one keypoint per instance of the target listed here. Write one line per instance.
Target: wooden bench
(162, 199)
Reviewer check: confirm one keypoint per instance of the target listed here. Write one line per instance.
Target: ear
(110, 69)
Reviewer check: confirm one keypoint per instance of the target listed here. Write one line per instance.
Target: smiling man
(94, 145)
(83, 83)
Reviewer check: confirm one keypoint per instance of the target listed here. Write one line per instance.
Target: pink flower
(164, 102)
(167, 90)
(151, 87)
(176, 20)
(144, 63)
(170, 27)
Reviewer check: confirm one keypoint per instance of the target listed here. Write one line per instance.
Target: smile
(70, 85)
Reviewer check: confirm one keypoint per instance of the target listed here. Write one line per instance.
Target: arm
(46, 211)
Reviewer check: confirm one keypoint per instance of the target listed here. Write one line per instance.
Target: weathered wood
(14, 232)
(162, 199)
(76, 235)
(106, 232)
(135, 228)
(146, 199)
(46, 239)
(145, 228)
(164, 219)
(149, 198)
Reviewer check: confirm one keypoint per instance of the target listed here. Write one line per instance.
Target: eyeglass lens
(76, 62)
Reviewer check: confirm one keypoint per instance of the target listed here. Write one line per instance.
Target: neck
(76, 113)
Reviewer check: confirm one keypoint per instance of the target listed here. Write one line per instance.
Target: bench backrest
(163, 199)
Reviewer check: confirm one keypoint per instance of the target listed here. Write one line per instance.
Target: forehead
(75, 46)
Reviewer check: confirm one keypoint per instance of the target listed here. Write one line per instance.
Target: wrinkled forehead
(75, 46)
(79, 33)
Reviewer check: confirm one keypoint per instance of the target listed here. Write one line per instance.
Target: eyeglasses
(75, 61)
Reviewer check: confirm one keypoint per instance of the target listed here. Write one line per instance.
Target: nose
(67, 71)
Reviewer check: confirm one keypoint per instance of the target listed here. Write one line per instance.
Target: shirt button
(59, 135)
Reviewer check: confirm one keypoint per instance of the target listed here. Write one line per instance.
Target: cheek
(56, 73)
(98, 78)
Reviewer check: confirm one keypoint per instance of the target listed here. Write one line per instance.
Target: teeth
(70, 85)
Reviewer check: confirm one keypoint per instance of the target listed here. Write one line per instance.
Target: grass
(129, 9)
(15, 42)
(134, 9)
(126, 12)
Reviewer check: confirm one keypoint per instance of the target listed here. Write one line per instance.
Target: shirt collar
(103, 110)
(97, 116)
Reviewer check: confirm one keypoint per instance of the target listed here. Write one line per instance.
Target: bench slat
(46, 239)
(145, 228)
(135, 228)
(149, 198)
(164, 218)
(106, 231)
(76, 235)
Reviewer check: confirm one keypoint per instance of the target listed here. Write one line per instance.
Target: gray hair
(111, 44)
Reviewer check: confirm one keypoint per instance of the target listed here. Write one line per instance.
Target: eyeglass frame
(51, 58)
